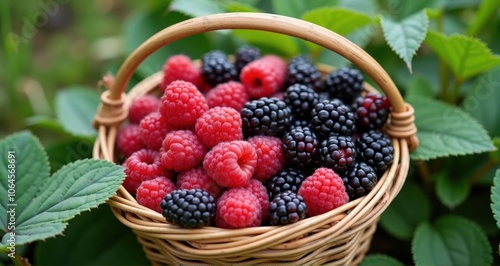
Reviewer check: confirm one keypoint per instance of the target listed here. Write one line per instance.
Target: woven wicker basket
(341, 236)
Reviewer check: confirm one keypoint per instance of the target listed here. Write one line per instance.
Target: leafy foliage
(450, 190)
(495, 197)
(75, 109)
(378, 259)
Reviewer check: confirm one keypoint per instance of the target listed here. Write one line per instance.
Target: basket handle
(401, 124)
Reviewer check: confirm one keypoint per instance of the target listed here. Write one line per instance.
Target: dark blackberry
(301, 69)
(191, 208)
(265, 116)
(344, 83)
(338, 152)
(244, 55)
(332, 116)
(301, 99)
(376, 150)
(359, 180)
(371, 110)
(286, 208)
(300, 147)
(299, 123)
(216, 68)
(286, 180)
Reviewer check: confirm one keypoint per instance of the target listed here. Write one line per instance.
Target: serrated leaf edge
(495, 197)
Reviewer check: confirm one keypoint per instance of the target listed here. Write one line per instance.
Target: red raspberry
(142, 165)
(323, 191)
(180, 67)
(229, 94)
(198, 178)
(231, 163)
(238, 208)
(182, 150)
(219, 124)
(153, 129)
(182, 103)
(129, 140)
(259, 191)
(264, 76)
(141, 107)
(270, 158)
(151, 192)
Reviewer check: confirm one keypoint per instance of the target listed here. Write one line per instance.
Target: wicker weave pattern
(341, 236)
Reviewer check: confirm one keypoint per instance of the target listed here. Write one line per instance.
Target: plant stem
(490, 164)
(20, 261)
(456, 90)
(424, 172)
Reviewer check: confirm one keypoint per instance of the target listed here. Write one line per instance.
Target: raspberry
(286, 180)
(344, 83)
(217, 125)
(151, 192)
(359, 180)
(229, 94)
(198, 178)
(287, 208)
(376, 150)
(129, 140)
(264, 76)
(182, 150)
(301, 70)
(329, 117)
(153, 129)
(231, 164)
(141, 107)
(182, 103)
(238, 208)
(259, 191)
(301, 100)
(142, 165)
(300, 146)
(323, 191)
(193, 208)
(244, 55)
(180, 67)
(265, 116)
(270, 159)
(216, 68)
(371, 110)
(338, 152)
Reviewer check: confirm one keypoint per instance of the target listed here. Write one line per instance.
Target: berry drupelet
(359, 180)
(338, 152)
(301, 99)
(332, 116)
(193, 208)
(286, 180)
(301, 70)
(376, 150)
(287, 208)
(371, 110)
(244, 55)
(216, 68)
(344, 83)
(266, 116)
(300, 147)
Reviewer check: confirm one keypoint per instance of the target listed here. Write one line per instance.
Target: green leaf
(445, 130)
(141, 25)
(495, 197)
(240, 7)
(45, 122)
(406, 36)
(25, 153)
(487, 9)
(75, 188)
(63, 152)
(277, 43)
(369, 7)
(116, 245)
(76, 108)
(419, 86)
(410, 208)
(451, 191)
(482, 101)
(295, 8)
(495, 155)
(466, 56)
(379, 259)
(452, 240)
(197, 8)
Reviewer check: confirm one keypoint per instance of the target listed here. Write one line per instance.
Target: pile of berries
(253, 141)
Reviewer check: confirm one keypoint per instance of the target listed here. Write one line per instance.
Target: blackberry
(359, 180)
(371, 110)
(302, 70)
(216, 68)
(338, 152)
(286, 180)
(299, 123)
(376, 150)
(300, 147)
(265, 116)
(344, 83)
(191, 208)
(286, 208)
(244, 55)
(332, 116)
(301, 100)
